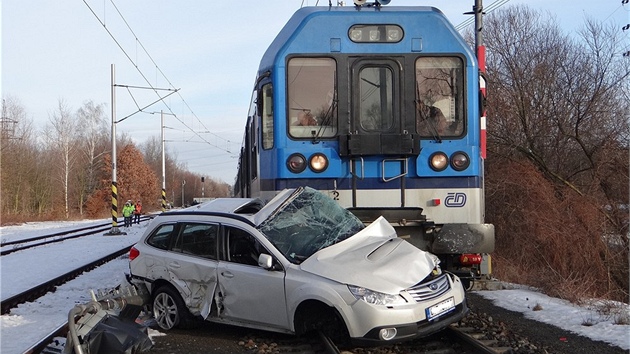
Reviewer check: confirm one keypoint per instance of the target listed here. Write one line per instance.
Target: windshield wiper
(426, 116)
(326, 122)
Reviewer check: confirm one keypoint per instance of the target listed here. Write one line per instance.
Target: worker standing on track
(137, 212)
(128, 213)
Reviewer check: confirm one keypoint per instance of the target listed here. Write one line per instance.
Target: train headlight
(438, 161)
(376, 33)
(356, 35)
(318, 162)
(296, 163)
(460, 161)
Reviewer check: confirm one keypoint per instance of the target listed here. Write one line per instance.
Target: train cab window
(439, 97)
(376, 104)
(311, 97)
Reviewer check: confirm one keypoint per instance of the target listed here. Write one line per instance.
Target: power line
(495, 5)
(135, 65)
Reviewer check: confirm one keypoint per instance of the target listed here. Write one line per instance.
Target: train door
(380, 140)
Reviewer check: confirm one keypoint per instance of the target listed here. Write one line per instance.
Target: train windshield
(376, 102)
(307, 222)
(439, 97)
(311, 97)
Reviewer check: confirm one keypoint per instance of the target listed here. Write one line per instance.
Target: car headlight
(374, 297)
(437, 270)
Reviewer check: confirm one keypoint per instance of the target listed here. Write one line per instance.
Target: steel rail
(41, 289)
(93, 230)
(473, 338)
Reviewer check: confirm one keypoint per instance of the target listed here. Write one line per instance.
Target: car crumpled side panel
(195, 279)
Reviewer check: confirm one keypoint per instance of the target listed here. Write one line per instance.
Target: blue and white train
(380, 107)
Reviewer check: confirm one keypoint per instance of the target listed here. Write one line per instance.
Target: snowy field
(30, 321)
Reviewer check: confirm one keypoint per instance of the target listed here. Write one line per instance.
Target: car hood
(374, 258)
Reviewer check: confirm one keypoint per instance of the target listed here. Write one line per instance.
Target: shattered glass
(307, 222)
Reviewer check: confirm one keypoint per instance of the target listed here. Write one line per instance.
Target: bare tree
(61, 139)
(558, 108)
(556, 100)
(94, 134)
(18, 159)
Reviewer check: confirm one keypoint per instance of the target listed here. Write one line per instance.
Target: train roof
(312, 29)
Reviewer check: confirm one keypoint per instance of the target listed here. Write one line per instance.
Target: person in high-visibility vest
(137, 212)
(128, 213)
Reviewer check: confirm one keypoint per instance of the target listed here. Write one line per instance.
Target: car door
(247, 292)
(193, 264)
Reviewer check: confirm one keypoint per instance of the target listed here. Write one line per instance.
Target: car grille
(431, 289)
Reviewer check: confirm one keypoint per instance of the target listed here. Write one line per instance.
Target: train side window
(312, 97)
(439, 97)
(267, 117)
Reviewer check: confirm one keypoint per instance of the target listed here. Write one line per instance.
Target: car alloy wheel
(169, 309)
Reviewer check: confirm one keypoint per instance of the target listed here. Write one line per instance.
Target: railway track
(320, 344)
(41, 289)
(478, 340)
(23, 244)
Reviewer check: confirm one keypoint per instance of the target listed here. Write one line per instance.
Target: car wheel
(169, 309)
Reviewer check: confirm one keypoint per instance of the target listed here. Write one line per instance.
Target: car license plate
(440, 309)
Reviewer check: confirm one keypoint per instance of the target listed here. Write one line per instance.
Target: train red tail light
(296, 163)
(460, 161)
(133, 253)
(470, 259)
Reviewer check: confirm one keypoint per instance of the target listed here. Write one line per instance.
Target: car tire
(170, 311)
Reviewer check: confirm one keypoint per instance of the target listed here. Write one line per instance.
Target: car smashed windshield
(307, 222)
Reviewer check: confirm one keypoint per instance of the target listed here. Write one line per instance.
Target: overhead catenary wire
(495, 5)
(161, 98)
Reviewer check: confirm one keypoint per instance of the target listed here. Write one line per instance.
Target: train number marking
(335, 195)
(455, 200)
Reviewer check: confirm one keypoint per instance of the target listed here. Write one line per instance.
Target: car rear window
(161, 236)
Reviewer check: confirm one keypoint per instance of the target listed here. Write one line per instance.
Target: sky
(23, 326)
(63, 51)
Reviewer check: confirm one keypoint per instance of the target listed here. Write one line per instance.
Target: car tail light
(470, 259)
(133, 253)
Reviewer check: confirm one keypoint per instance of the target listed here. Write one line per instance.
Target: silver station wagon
(300, 263)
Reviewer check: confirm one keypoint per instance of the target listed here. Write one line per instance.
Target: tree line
(65, 170)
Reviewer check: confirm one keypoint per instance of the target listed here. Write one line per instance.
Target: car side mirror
(265, 261)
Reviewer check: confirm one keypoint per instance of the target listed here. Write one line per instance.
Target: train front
(378, 106)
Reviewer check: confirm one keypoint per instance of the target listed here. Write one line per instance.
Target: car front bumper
(410, 331)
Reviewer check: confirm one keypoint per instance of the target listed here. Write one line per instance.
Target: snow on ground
(26, 324)
(29, 322)
(591, 321)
